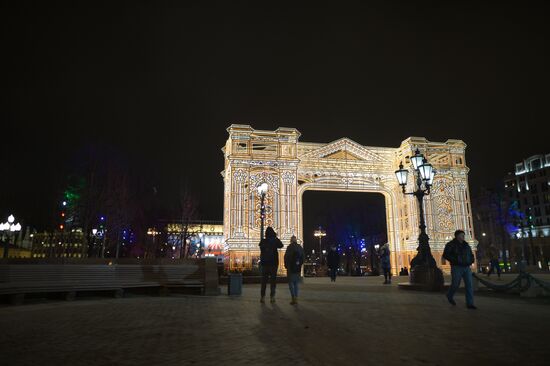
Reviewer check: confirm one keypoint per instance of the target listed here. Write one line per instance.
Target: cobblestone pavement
(353, 321)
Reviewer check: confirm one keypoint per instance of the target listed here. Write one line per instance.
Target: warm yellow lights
(285, 168)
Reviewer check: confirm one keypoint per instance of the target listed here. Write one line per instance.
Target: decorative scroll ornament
(288, 177)
(264, 177)
(268, 211)
(240, 175)
(443, 200)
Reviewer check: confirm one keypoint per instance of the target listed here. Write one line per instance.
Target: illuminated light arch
(290, 168)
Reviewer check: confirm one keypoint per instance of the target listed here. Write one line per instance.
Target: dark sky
(162, 82)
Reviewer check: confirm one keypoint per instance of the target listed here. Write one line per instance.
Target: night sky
(159, 84)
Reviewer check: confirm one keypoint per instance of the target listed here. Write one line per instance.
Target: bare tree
(104, 189)
(118, 208)
(188, 209)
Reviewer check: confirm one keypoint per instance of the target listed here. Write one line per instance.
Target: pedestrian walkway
(355, 321)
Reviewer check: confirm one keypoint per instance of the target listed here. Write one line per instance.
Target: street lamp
(200, 245)
(153, 233)
(93, 249)
(320, 233)
(262, 191)
(530, 226)
(373, 255)
(523, 262)
(424, 269)
(9, 229)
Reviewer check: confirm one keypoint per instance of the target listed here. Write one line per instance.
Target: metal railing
(523, 282)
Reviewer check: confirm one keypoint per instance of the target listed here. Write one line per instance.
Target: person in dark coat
(459, 254)
(333, 262)
(269, 260)
(384, 254)
(294, 258)
(494, 264)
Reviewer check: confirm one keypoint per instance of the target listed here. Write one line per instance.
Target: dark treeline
(108, 195)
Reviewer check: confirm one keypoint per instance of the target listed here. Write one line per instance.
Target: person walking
(384, 254)
(294, 258)
(494, 264)
(269, 260)
(333, 262)
(459, 253)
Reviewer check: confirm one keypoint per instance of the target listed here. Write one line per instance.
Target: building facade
(59, 244)
(201, 238)
(490, 215)
(18, 246)
(527, 198)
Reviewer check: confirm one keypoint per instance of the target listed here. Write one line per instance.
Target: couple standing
(269, 261)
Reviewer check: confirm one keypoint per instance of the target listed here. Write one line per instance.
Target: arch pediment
(343, 149)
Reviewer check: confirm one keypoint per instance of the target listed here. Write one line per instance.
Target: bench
(20, 277)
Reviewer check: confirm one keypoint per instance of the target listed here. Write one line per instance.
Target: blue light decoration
(515, 216)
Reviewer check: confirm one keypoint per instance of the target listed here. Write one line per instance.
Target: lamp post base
(427, 277)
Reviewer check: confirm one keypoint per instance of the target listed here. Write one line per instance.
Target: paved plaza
(355, 321)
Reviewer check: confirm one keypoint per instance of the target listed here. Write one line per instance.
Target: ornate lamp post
(424, 270)
(320, 233)
(262, 191)
(10, 228)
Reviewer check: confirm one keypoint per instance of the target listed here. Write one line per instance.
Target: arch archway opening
(352, 223)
